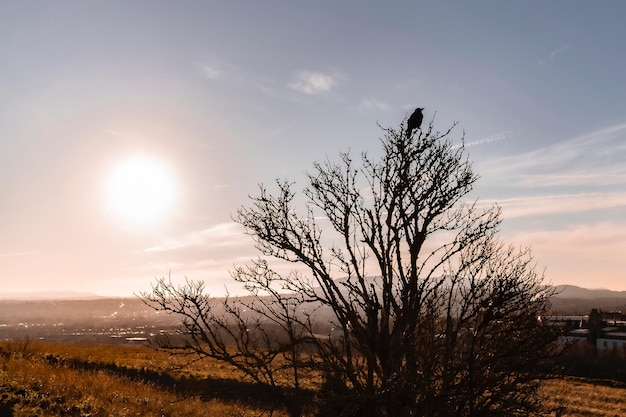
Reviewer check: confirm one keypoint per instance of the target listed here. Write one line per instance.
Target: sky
(195, 103)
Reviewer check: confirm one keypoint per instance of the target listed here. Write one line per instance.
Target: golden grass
(31, 386)
(578, 397)
(48, 379)
(136, 357)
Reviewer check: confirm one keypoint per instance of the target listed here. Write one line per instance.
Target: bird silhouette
(415, 121)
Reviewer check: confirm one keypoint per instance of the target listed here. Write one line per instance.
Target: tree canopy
(409, 303)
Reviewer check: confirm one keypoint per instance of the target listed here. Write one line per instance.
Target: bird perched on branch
(415, 121)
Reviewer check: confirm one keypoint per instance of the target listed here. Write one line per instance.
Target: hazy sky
(212, 98)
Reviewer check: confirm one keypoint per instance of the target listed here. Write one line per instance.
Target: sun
(141, 189)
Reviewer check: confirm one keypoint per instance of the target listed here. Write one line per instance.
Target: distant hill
(571, 299)
(572, 291)
(49, 295)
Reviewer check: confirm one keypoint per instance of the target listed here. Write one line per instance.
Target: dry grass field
(42, 379)
(579, 397)
(48, 379)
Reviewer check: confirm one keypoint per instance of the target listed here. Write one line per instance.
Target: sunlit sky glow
(196, 103)
(140, 190)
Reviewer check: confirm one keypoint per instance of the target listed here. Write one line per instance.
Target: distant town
(602, 330)
(592, 316)
(97, 320)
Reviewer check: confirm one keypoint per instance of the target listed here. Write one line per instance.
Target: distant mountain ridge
(572, 291)
(50, 295)
(562, 291)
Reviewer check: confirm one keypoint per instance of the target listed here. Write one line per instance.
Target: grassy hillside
(48, 379)
(44, 379)
(578, 397)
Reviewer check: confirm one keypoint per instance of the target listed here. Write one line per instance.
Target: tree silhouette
(409, 304)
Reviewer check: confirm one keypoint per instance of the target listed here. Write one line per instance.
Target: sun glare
(141, 190)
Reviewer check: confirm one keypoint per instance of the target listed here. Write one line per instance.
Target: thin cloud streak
(232, 73)
(313, 83)
(491, 139)
(579, 254)
(553, 204)
(560, 50)
(211, 72)
(596, 155)
(607, 239)
(373, 104)
(554, 53)
(570, 180)
(222, 234)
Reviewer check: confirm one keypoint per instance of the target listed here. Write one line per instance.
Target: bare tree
(409, 304)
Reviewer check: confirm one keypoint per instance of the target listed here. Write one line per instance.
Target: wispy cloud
(223, 234)
(313, 83)
(373, 104)
(578, 253)
(574, 179)
(490, 139)
(600, 143)
(211, 71)
(554, 53)
(559, 50)
(214, 68)
(601, 241)
(597, 158)
(561, 203)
